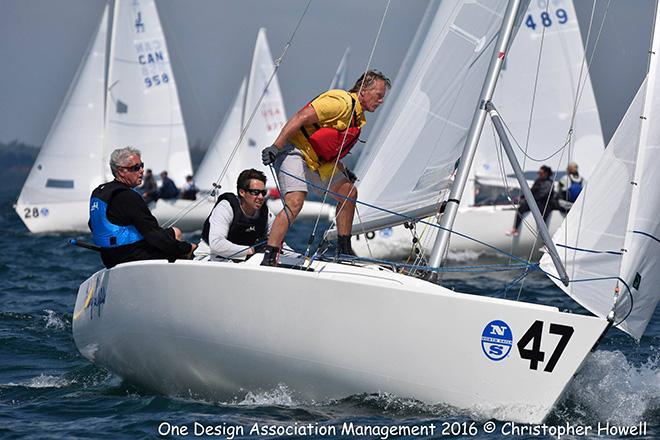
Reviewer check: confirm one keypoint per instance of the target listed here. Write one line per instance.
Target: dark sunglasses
(256, 192)
(134, 168)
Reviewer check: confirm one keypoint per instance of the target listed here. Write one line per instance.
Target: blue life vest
(105, 233)
(574, 189)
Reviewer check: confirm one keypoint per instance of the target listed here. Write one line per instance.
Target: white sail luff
(70, 160)
(339, 80)
(219, 152)
(263, 110)
(611, 233)
(641, 245)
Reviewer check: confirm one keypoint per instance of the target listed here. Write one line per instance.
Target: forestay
(613, 229)
(69, 162)
(142, 103)
(425, 129)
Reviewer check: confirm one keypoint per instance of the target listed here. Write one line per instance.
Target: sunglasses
(256, 192)
(134, 168)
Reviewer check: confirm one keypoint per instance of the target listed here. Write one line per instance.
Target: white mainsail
(70, 162)
(339, 80)
(613, 228)
(223, 143)
(427, 124)
(544, 82)
(266, 124)
(143, 107)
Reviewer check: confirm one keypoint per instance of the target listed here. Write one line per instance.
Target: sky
(210, 42)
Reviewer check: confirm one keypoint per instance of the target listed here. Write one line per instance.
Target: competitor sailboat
(545, 81)
(224, 160)
(332, 329)
(127, 96)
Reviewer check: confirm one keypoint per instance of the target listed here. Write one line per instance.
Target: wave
(611, 389)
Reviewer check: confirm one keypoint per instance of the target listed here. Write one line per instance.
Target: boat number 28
(30, 212)
(534, 353)
(547, 19)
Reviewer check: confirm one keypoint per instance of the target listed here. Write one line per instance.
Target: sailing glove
(269, 154)
(350, 175)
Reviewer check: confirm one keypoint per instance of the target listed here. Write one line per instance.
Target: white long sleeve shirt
(220, 221)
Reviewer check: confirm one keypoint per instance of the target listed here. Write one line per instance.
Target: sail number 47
(533, 338)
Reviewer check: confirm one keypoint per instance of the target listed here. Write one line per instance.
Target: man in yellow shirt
(309, 149)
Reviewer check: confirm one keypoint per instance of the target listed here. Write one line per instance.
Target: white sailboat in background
(136, 104)
(327, 331)
(545, 78)
(225, 159)
(339, 80)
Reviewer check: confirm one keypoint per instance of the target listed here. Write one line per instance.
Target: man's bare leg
(293, 204)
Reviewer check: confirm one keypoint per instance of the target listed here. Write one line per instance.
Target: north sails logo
(496, 340)
(251, 229)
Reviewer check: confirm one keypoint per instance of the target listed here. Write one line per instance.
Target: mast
(463, 172)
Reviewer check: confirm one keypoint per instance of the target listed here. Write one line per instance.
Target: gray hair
(120, 158)
(368, 79)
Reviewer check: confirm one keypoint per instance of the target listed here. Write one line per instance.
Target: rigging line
(409, 218)
(632, 298)
(580, 91)
(535, 89)
(325, 194)
(216, 185)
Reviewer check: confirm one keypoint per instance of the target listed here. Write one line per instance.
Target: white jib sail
(70, 162)
(270, 116)
(219, 151)
(544, 81)
(613, 230)
(426, 126)
(143, 108)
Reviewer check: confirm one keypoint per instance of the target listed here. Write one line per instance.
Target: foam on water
(54, 321)
(281, 395)
(610, 388)
(44, 381)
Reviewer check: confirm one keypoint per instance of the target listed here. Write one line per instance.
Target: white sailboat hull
(54, 216)
(337, 331)
(73, 216)
(488, 224)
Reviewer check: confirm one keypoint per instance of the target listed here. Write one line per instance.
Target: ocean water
(48, 390)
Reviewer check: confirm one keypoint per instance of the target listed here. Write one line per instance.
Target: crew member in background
(308, 147)
(149, 187)
(568, 188)
(190, 190)
(121, 223)
(237, 225)
(543, 197)
(168, 189)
